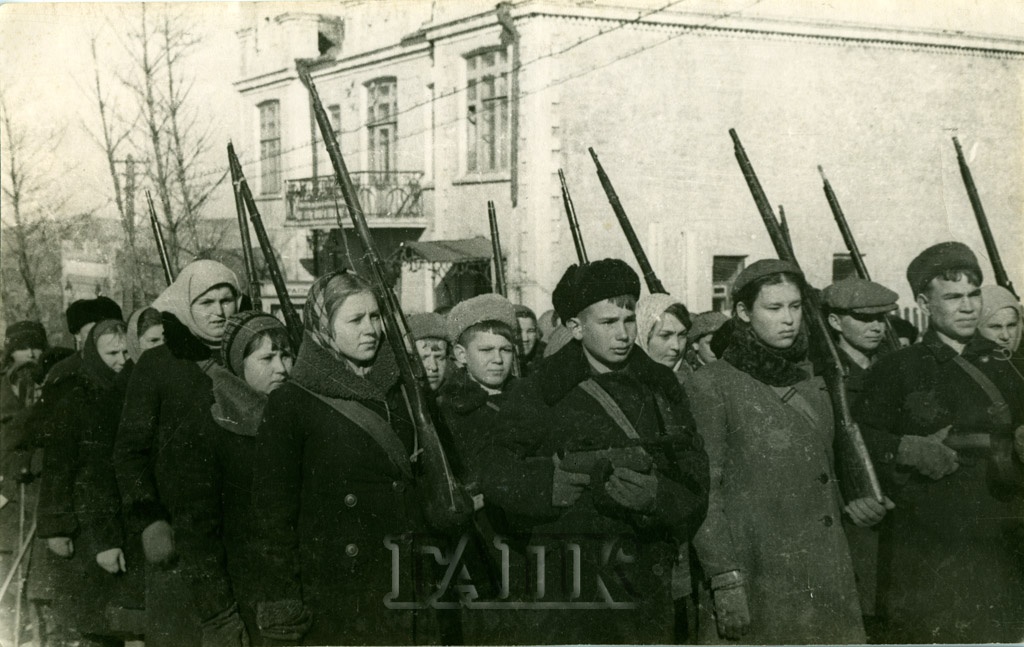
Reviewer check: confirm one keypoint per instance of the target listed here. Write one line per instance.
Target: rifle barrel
(859, 473)
(291, 317)
(574, 224)
(979, 214)
(784, 225)
(499, 264)
(158, 236)
(243, 230)
(654, 285)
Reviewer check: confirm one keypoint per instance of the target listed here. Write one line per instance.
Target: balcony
(388, 198)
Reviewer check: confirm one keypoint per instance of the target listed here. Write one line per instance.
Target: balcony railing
(384, 196)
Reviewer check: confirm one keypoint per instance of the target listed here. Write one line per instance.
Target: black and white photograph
(518, 322)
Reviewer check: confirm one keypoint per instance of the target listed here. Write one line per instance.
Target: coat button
(351, 500)
(826, 520)
(398, 486)
(658, 570)
(351, 550)
(823, 477)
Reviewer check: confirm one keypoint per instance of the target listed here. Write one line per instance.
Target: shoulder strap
(999, 409)
(376, 427)
(798, 402)
(607, 402)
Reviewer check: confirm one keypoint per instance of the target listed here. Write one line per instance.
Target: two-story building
(442, 106)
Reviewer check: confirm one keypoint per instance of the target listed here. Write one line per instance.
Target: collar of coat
(561, 372)
(236, 406)
(462, 394)
(320, 372)
(181, 342)
(977, 346)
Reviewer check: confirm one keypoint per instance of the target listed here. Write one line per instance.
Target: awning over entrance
(449, 271)
(466, 250)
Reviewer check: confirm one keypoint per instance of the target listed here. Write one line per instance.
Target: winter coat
(157, 450)
(775, 509)
(963, 532)
(334, 509)
(548, 413)
(79, 500)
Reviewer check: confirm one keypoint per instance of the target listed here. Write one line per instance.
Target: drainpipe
(509, 34)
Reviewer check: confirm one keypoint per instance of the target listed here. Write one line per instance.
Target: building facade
(442, 107)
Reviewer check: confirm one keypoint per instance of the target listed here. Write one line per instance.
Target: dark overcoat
(961, 533)
(336, 514)
(625, 558)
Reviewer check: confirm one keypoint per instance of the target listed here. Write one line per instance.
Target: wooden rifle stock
(857, 472)
(291, 317)
(979, 214)
(243, 231)
(500, 286)
(574, 224)
(447, 503)
(891, 336)
(654, 285)
(158, 236)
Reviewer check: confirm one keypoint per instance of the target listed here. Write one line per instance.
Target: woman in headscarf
(775, 562)
(333, 483)
(79, 508)
(218, 547)
(168, 399)
(1001, 317)
(661, 325)
(145, 331)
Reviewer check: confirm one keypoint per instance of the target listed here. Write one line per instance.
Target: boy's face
(487, 357)
(607, 331)
(434, 353)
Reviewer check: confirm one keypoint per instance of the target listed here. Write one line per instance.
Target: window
(724, 270)
(842, 267)
(382, 122)
(487, 117)
(270, 147)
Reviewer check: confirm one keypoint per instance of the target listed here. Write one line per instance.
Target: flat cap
(762, 268)
(583, 285)
(704, 324)
(860, 296)
(938, 259)
(427, 325)
(87, 311)
(485, 307)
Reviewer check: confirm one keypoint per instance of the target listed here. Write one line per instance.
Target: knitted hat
(859, 296)
(762, 268)
(938, 259)
(25, 334)
(583, 285)
(240, 329)
(87, 311)
(427, 325)
(485, 307)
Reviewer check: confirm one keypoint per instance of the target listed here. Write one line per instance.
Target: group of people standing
(637, 474)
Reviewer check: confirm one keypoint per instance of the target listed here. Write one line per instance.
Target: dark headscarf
(93, 366)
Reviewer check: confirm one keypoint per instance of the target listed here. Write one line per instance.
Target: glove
(225, 629)
(286, 620)
(567, 487)
(61, 546)
(633, 490)
(158, 542)
(867, 512)
(928, 455)
(732, 613)
(111, 560)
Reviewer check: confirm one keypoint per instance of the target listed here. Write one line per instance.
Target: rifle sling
(999, 409)
(603, 398)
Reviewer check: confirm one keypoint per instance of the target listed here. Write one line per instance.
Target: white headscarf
(195, 279)
(649, 309)
(993, 299)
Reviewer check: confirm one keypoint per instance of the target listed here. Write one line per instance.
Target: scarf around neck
(768, 365)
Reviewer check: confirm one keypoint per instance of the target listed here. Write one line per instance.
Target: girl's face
(26, 355)
(152, 337)
(775, 315)
(211, 310)
(356, 328)
(265, 369)
(667, 340)
(1003, 328)
(113, 350)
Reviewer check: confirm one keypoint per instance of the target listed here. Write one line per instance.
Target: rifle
(574, 224)
(654, 286)
(158, 236)
(291, 318)
(891, 336)
(857, 472)
(784, 225)
(448, 504)
(979, 215)
(500, 287)
(243, 230)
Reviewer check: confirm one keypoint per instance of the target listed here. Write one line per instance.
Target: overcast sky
(47, 69)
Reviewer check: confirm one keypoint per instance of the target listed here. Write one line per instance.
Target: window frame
(497, 106)
(271, 175)
(375, 126)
